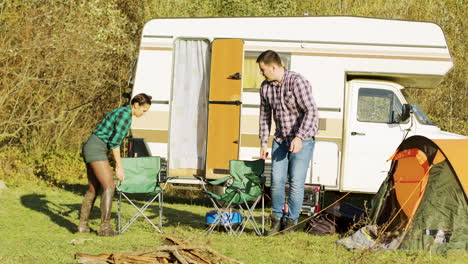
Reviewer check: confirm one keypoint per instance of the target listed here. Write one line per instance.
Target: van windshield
(421, 116)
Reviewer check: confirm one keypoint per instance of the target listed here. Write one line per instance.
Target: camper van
(203, 77)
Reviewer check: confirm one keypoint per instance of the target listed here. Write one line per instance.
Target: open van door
(224, 110)
(372, 134)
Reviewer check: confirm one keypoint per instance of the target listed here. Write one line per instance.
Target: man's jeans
(295, 166)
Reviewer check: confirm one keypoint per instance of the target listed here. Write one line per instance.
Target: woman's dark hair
(141, 99)
(268, 57)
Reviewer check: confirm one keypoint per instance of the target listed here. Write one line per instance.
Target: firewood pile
(173, 251)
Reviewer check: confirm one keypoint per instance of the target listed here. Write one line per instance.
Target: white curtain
(189, 105)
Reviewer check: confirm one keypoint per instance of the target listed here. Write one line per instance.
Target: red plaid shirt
(292, 106)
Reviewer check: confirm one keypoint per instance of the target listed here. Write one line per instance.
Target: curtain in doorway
(189, 107)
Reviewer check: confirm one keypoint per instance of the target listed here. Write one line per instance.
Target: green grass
(37, 225)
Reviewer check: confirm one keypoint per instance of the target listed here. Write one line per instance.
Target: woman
(108, 135)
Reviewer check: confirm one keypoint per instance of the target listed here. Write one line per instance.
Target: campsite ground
(37, 225)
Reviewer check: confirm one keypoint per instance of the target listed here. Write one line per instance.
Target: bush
(64, 65)
(60, 167)
(15, 167)
(51, 167)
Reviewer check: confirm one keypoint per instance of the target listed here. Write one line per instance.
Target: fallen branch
(174, 251)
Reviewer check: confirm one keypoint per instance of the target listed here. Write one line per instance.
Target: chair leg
(221, 219)
(119, 213)
(250, 217)
(140, 213)
(160, 210)
(218, 219)
(263, 214)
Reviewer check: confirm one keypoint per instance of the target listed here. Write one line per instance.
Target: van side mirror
(406, 110)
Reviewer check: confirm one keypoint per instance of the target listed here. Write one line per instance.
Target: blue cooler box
(231, 217)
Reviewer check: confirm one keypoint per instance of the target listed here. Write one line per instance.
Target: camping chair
(245, 183)
(142, 176)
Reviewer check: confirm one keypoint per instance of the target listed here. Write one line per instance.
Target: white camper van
(203, 77)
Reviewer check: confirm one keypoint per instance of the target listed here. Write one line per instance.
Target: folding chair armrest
(215, 182)
(219, 181)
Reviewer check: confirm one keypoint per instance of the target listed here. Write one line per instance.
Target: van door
(371, 134)
(224, 106)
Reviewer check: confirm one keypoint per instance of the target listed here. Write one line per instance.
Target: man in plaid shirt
(287, 97)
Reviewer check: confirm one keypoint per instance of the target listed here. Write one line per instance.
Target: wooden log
(172, 241)
(175, 251)
(199, 257)
(179, 257)
(93, 259)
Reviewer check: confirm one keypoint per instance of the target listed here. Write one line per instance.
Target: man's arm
(306, 102)
(265, 124)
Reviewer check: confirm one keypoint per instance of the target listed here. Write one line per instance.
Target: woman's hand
(119, 173)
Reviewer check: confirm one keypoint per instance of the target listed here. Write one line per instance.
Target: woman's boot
(86, 207)
(106, 211)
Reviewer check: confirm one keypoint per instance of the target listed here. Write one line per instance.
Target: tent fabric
(443, 208)
(456, 151)
(410, 180)
(423, 203)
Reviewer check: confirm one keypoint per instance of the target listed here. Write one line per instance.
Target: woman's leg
(103, 172)
(88, 201)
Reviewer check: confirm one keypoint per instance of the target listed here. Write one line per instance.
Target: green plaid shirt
(114, 127)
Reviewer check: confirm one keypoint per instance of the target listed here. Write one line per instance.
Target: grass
(37, 225)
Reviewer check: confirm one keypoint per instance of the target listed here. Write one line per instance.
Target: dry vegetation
(65, 63)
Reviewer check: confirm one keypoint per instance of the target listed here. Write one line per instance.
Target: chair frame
(141, 210)
(245, 209)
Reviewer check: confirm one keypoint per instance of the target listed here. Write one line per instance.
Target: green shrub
(50, 167)
(60, 167)
(16, 167)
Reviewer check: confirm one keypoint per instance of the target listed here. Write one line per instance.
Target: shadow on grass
(171, 216)
(56, 212)
(174, 217)
(75, 188)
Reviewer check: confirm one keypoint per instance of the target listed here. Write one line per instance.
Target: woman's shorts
(94, 149)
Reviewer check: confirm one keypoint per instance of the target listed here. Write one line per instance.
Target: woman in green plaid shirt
(108, 135)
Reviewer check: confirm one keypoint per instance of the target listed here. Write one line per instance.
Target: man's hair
(268, 57)
(141, 99)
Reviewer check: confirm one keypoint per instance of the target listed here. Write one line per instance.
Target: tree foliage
(65, 63)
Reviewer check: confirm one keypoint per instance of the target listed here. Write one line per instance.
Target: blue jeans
(286, 165)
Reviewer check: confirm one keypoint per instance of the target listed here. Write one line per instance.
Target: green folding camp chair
(142, 176)
(244, 184)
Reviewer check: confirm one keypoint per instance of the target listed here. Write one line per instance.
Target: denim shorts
(94, 149)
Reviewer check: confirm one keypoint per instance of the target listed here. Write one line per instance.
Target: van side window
(378, 106)
(252, 78)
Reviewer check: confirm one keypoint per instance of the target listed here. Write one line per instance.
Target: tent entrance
(410, 179)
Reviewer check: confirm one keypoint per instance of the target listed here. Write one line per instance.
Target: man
(287, 96)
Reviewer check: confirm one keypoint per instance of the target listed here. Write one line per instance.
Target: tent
(422, 204)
